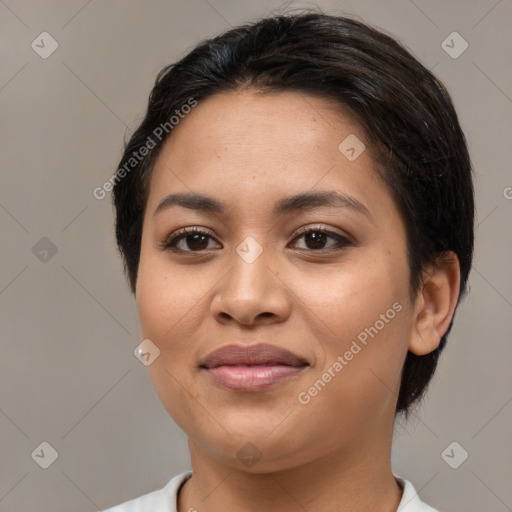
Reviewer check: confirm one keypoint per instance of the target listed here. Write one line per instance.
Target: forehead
(280, 139)
(251, 121)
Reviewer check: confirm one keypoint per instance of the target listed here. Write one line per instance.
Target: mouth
(250, 368)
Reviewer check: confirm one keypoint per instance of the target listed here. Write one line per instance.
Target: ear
(435, 304)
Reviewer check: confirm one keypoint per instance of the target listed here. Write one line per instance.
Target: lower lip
(252, 378)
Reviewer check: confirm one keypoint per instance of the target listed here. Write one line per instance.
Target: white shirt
(165, 499)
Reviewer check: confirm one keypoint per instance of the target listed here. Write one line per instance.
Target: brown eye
(316, 239)
(189, 240)
(196, 242)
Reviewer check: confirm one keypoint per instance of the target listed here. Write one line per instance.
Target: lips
(252, 367)
(249, 355)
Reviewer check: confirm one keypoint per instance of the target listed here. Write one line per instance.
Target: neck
(346, 480)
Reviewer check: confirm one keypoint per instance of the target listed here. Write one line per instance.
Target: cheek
(362, 316)
(358, 386)
(172, 303)
(345, 299)
(167, 299)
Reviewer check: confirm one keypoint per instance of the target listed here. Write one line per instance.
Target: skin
(251, 149)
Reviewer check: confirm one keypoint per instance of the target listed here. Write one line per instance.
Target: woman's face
(336, 297)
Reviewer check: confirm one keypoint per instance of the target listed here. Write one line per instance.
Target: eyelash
(170, 242)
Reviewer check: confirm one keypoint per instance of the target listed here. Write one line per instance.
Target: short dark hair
(404, 110)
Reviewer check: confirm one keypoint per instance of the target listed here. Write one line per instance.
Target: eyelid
(319, 227)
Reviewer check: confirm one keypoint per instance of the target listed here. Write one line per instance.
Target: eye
(316, 238)
(193, 238)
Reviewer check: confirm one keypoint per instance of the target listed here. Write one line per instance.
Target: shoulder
(411, 502)
(163, 500)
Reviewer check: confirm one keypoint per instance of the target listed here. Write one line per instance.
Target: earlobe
(435, 304)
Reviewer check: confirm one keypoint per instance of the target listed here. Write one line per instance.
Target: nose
(252, 293)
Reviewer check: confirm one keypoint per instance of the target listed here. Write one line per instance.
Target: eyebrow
(298, 202)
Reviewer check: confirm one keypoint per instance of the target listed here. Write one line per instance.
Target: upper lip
(262, 354)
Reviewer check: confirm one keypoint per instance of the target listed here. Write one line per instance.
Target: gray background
(68, 322)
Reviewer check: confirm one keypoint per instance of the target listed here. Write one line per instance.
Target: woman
(295, 213)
